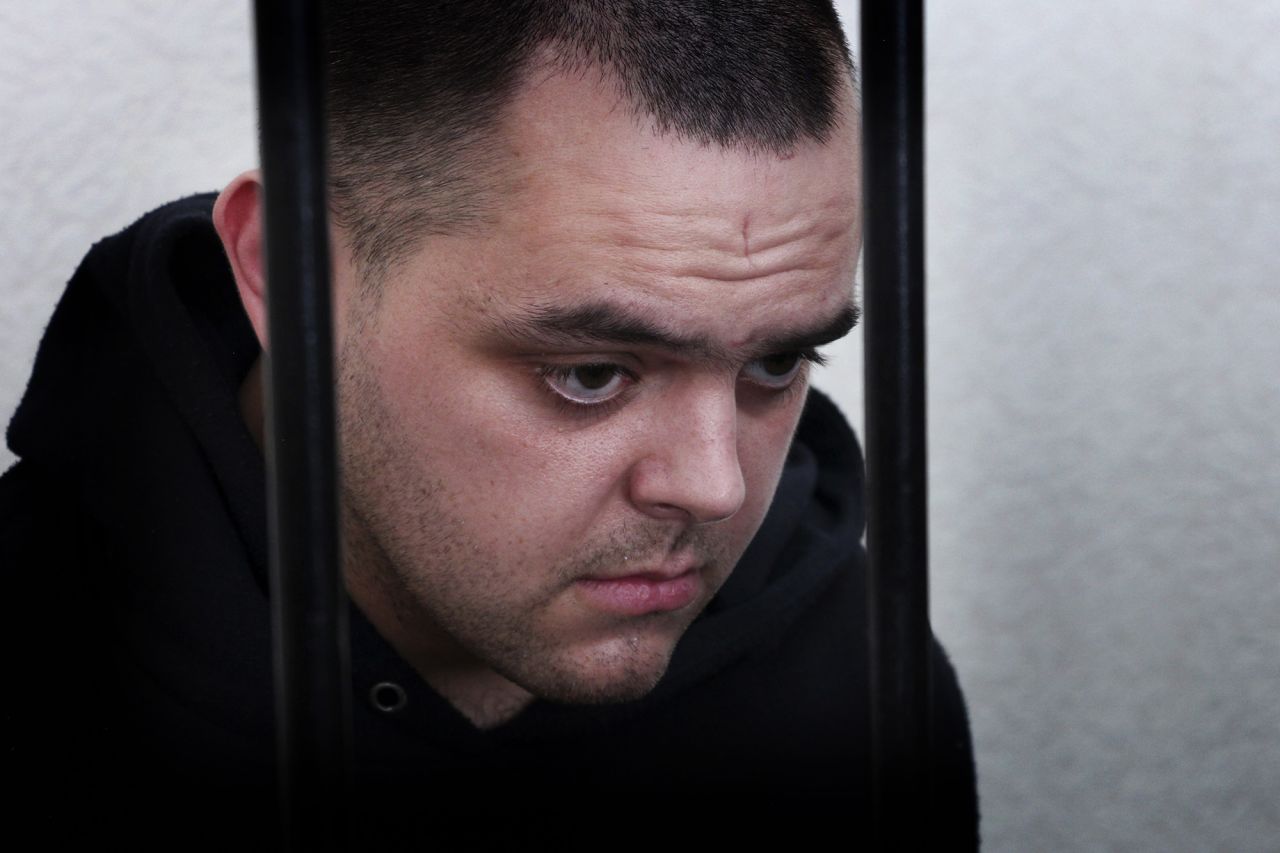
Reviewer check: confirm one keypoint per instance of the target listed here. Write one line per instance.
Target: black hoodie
(133, 541)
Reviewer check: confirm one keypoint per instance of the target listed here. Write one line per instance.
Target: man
(601, 542)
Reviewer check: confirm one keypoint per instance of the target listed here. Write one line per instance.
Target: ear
(237, 217)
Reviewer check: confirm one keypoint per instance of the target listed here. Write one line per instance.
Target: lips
(660, 591)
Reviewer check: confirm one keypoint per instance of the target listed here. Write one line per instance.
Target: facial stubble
(409, 550)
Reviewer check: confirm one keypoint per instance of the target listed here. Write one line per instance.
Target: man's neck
(480, 694)
(251, 404)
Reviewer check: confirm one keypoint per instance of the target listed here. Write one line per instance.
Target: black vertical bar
(308, 602)
(897, 515)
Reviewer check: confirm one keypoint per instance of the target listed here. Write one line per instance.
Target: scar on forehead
(746, 235)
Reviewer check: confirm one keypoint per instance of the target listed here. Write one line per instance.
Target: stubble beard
(442, 592)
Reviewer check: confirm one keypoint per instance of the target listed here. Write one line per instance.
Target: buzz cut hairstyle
(417, 89)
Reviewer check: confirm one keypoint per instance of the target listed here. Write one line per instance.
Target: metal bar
(897, 518)
(312, 654)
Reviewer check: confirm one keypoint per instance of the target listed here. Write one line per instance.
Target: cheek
(517, 477)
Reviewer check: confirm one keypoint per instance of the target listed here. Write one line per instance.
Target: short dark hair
(416, 88)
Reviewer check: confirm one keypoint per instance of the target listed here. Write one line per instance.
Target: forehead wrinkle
(733, 247)
(644, 224)
(823, 224)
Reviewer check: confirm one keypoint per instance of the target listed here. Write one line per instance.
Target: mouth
(672, 586)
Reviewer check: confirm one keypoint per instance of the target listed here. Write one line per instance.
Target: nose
(691, 469)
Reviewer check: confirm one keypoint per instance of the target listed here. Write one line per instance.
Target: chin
(620, 670)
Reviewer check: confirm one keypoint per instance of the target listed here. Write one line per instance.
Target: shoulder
(40, 524)
(50, 623)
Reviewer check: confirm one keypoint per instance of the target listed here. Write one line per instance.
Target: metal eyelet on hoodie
(388, 697)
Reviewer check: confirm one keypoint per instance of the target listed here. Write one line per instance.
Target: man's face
(560, 432)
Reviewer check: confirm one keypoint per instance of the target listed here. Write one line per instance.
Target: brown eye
(586, 384)
(781, 364)
(775, 371)
(594, 377)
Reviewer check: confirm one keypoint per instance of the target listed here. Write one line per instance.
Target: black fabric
(132, 535)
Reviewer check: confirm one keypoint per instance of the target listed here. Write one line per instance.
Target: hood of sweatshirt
(132, 407)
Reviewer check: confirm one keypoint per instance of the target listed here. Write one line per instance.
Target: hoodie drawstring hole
(388, 697)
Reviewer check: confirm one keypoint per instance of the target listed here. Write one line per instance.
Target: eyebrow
(604, 323)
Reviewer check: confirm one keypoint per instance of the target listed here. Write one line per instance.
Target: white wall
(1104, 182)
(108, 108)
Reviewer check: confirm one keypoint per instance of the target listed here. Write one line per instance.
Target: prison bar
(309, 606)
(897, 515)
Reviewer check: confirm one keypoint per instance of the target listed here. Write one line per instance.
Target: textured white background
(1104, 182)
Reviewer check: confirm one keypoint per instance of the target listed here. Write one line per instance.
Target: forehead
(598, 205)
(575, 141)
